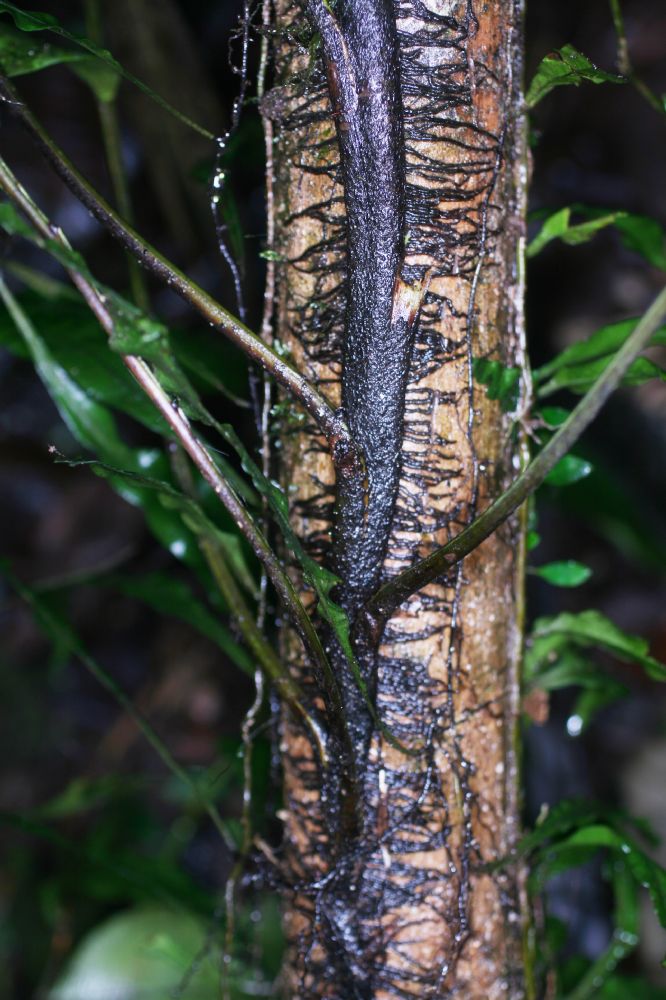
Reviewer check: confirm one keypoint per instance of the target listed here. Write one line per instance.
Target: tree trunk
(395, 901)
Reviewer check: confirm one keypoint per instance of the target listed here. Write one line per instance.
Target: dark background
(600, 145)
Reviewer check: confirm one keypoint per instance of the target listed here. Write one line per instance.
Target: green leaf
(563, 574)
(550, 667)
(61, 632)
(146, 951)
(570, 814)
(643, 235)
(533, 540)
(103, 80)
(554, 416)
(645, 871)
(591, 701)
(558, 227)
(623, 940)
(592, 629)
(169, 596)
(20, 55)
(581, 377)
(502, 382)
(78, 344)
(602, 344)
(190, 510)
(94, 427)
(35, 21)
(638, 233)
(89, 422)
(568, 470)
(565, 67)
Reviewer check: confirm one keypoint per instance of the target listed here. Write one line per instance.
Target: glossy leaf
(502, 382)
(563, 574)
(89, 422)
(565, 67)
(601, 344)
(77, 343)
(571, 814)
(568, 470)
(559, 227)
(553, 416)
(638, 233)
(20, 55)
(643, 235)
(580, 378)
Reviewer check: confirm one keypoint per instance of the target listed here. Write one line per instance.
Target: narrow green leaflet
(643, 235)
(169, 596)
(638, 233)
(82, 794)
(574, 814)
(563, 574)
(20, 55)
(584, 630)
(134, 333)
(559, 227)
(591, 700)
(580, 378)
(571, 669)
(565, 67)
(26, 20)
(575, 366)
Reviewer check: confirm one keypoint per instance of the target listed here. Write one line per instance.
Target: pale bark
(405, 909)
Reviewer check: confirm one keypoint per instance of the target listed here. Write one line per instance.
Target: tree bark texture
(385, 854)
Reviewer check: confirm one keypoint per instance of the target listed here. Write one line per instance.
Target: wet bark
(385, 853)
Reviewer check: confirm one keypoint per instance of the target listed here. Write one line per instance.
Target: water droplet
(574, 725)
